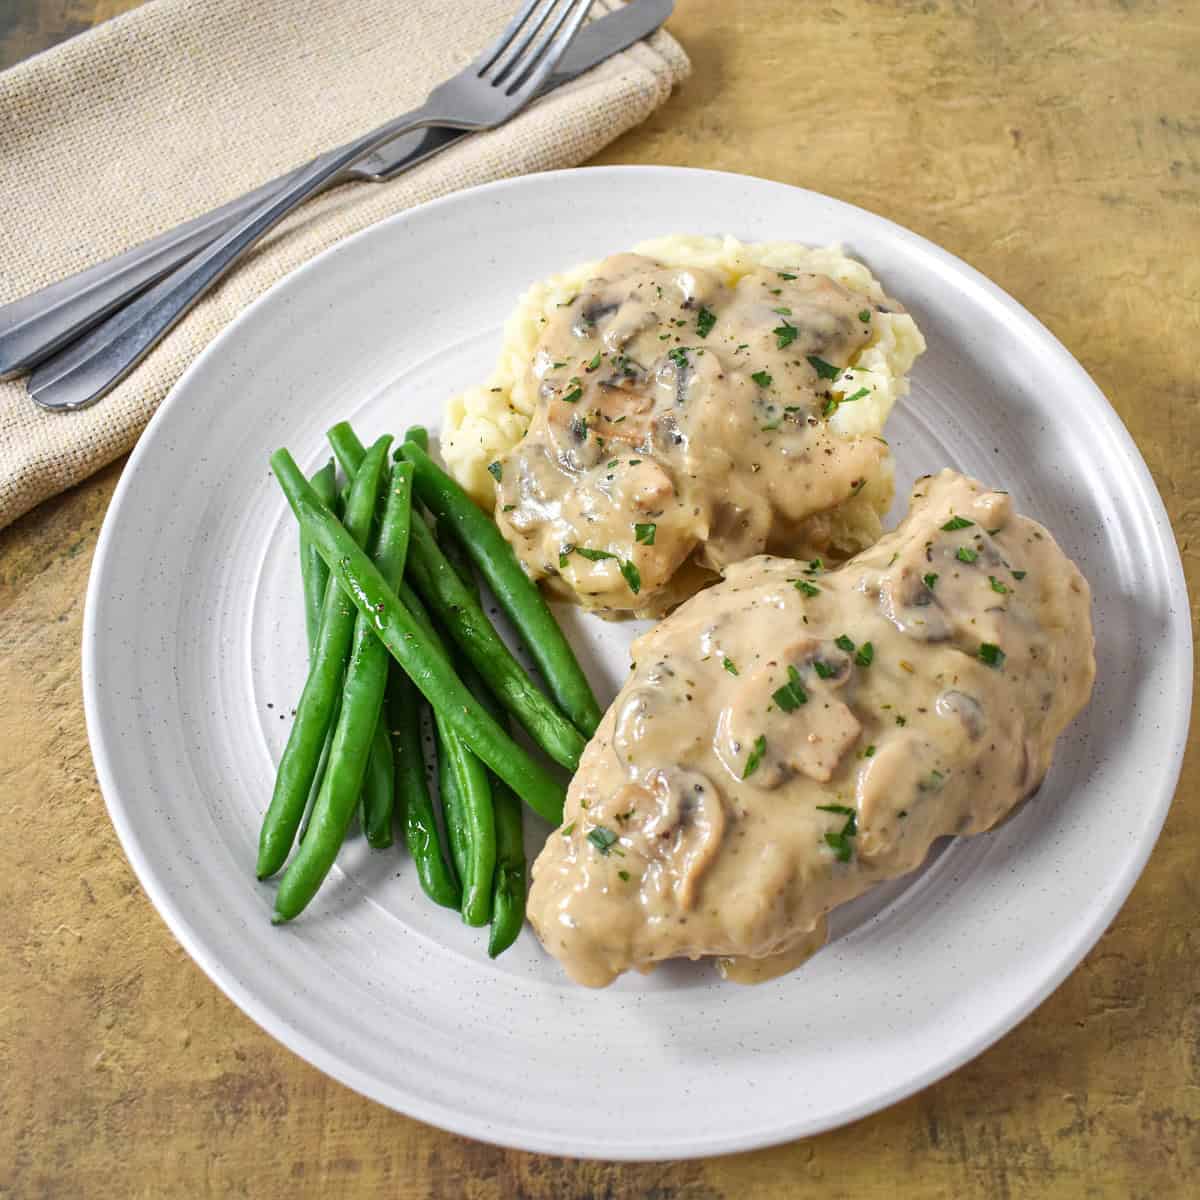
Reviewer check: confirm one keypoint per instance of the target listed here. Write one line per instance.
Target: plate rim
(158, 890)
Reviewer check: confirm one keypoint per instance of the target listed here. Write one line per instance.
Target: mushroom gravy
(683, 425)
(794, 735)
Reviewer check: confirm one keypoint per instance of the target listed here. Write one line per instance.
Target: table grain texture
(1055, 145)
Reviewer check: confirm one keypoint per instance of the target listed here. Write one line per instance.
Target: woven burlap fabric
(180, 105)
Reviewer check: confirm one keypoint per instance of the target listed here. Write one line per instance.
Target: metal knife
(34, 327)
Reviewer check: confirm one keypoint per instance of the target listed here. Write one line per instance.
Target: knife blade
(35, 326)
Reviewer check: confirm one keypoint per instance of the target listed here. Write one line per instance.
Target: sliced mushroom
(966, 708)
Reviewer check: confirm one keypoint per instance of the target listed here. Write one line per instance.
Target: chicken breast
(794, 735)
(684, 423)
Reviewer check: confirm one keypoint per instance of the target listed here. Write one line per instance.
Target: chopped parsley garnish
(869, 752)
(840, 842)
(633, 576)
(645, 533)
(603, 839)
(508, 508)
(679, 356)
(563, 555)
(866, 655)
(932, 783)
(756, 756)
(785, 275)
(705, 320)
(857, 396)
(783, 312)
(762, 378)
(957, 523)
(729, 665)
(830, 407)
(966, 554)
(785, 335)
(809, 589)
(567, 830)
(792, 694)
(997, 586)
(991, 654)
(594, 363)
(575, 393)
(823, 369)
(930, 580)
(823, 669)
(1019, 574)
(842, 642)
(624, 875)
(593, 555)
(901, 720)
(865, 315)
(612, 462)
(815, 567)
(495, 470)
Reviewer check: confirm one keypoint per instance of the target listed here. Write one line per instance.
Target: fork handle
(87, 370)
(34, 326)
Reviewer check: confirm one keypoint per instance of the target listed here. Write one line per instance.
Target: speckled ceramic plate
(193, 652)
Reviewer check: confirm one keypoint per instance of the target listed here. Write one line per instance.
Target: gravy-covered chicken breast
(683, 417)
(794, 735)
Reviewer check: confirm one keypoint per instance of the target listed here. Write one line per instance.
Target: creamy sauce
(793, 735)
(682, 425)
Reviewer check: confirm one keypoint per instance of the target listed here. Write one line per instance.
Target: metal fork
(488, 92)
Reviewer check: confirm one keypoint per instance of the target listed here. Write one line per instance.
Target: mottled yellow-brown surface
(1056, 146)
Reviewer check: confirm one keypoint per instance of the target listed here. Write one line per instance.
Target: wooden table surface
(1055, 145)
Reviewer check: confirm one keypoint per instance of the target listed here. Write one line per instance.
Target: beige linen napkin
(178, 106)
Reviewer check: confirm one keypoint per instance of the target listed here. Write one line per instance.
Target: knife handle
(35, 326)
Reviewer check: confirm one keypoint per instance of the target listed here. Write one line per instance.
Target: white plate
(193, 653)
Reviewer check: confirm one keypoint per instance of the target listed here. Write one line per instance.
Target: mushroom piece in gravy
(794, 735)
(682, 425)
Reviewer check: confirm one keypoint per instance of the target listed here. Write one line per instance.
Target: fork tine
(512, 57)
(550, 48)
(485, 60)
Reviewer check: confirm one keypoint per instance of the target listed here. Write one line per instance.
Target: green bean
(378, 798)
(298, 765)
(466, 795)
(322, 763)
(463, 618)
(412, 793)
(347, 447)
(379, 789)
(379, 785)
(417, 434)
(508, 883)
(314, 577)
(313, 571)
(357, 724)
(517, 593)
(434, 677)
(508, 878)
